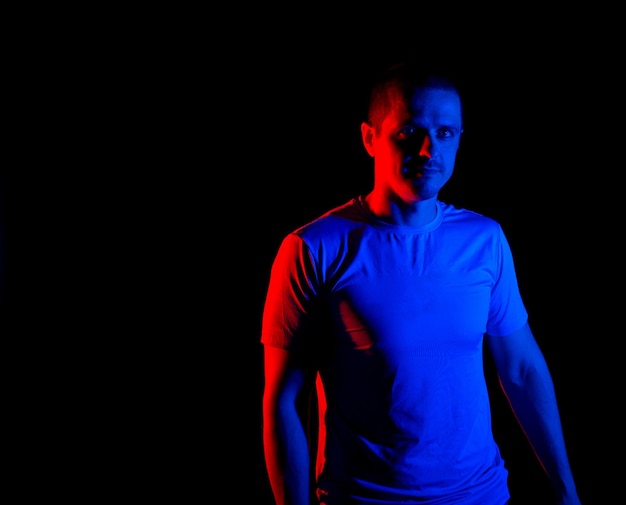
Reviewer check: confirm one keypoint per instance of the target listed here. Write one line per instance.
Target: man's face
(415, 150)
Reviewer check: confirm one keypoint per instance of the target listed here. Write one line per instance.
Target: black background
(174, 152)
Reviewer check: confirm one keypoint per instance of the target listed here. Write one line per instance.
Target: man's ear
(367, 135)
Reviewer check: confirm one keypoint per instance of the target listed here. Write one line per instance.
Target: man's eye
(445, 133)
(406, 133)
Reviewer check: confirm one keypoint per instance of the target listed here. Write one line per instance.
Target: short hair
(399, 81)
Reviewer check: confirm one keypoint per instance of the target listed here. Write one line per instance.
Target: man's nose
(426, 147)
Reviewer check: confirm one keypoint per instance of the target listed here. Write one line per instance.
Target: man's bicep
(514, 353)
(288, 373)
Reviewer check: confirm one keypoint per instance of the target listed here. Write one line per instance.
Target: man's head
(412, 131)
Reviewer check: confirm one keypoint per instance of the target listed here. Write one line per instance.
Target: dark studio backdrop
(187, 156)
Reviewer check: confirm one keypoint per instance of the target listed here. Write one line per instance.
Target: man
(385, 303)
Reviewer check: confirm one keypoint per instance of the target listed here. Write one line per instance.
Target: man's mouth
(417, 171)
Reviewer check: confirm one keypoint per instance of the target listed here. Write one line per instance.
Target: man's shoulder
(469, 219)
(337, 220)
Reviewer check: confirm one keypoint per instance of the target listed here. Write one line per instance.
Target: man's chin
(424, 188)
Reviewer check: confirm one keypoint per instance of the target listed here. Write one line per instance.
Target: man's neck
(399, 212)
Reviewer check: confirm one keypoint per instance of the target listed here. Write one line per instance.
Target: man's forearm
(288, 462)
(535, 406)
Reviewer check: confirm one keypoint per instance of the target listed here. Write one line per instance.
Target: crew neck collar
(433, 223)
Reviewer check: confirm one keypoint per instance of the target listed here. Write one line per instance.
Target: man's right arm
(289, 383)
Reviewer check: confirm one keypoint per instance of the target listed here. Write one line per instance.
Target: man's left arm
(527, 383)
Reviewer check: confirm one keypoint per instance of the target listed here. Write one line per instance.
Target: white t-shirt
(397, 316)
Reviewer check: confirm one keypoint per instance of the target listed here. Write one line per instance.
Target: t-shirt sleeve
(290, 297)
(507, 312)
